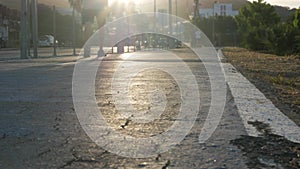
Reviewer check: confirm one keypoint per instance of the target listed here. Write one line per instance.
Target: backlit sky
(64, 3)
(289, 3)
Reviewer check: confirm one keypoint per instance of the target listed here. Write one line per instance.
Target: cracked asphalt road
(39, 127)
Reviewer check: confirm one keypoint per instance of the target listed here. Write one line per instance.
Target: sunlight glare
(122, 1)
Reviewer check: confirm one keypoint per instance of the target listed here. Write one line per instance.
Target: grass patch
(278, 77)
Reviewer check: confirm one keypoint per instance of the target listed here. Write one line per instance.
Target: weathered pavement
(39, 127)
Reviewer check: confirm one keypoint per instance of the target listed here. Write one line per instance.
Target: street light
(196, 11)
(24, 46)
(154, 9)
(176, 9)
(170, 15)
(154, 21)
(28, 32)
(73, 30)
(213, 26)
(171, 43)
(34, 28)
(54, 30)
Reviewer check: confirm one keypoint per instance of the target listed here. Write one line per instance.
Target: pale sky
(289, 3)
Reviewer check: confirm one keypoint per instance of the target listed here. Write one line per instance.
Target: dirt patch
(268, 150)
(278, 77)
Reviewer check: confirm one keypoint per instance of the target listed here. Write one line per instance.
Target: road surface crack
(126, 123)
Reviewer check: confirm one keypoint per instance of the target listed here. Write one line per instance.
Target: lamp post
(196, 11)
(54, 31)
(171, 42)
(34, 27)
(73, 30)
(213, 26)
(154, 19)
(28, 32)
(170, 16)
(176, 9)
(154, 7)
(24, 14)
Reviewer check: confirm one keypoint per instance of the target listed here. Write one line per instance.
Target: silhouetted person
(91, 10)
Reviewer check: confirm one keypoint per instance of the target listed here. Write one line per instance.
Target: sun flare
(120, 1)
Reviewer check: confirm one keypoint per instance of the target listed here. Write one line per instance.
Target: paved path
(39, 127)
(47, 52)
(43, 52)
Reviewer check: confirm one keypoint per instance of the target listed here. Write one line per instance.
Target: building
(219, 9)
(9, 26)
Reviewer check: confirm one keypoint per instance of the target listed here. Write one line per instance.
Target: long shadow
(268, 150)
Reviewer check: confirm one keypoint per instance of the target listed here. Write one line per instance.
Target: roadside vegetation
(267, 50)
(261, 28)
(269, 54)
(278, 77)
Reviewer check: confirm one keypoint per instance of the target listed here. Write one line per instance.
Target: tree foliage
(255, 22)
(63, 24)
(225, 29)
(260, 28)
(296, 25)
(76, 4)
(296, 21)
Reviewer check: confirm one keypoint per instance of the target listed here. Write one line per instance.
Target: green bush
(260, 29)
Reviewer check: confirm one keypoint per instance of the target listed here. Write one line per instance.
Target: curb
(253, 106)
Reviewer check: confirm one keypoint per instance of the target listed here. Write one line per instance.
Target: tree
(296, 25)
(283, 40)
(296, 21)
(63, 22)
(76, 4)
(255, 25)
(225, 29)
(94, 8)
